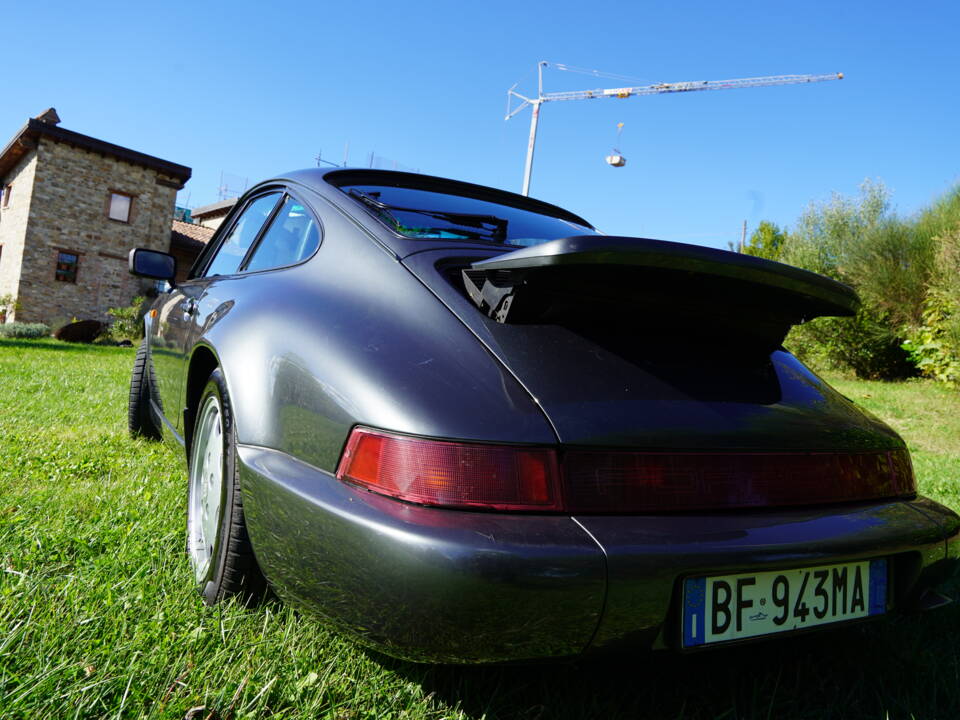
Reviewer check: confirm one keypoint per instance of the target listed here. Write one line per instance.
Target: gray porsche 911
(465, 426)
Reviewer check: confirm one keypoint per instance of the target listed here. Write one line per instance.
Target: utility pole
(743, 236)
(625, 92)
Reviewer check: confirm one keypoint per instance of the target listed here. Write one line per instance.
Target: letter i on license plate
(729, 607)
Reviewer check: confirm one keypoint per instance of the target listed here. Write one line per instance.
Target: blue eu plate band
(694, 611)
(878, 587)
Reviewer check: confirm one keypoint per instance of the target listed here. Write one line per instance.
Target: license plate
(730, 607)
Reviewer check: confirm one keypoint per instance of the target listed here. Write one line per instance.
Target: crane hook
(617, 159)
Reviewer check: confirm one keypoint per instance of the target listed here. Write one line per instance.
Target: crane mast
(625, 92)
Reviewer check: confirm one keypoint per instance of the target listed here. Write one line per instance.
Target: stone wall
(13, 223)
(68, 212)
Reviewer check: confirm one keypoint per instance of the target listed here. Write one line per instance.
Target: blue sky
(254, 89)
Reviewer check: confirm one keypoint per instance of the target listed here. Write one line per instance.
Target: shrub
(861, 243)
(80, 331)
(127, 321)
(863, 343)
(934, 344)
(24, 330)
(891, 267)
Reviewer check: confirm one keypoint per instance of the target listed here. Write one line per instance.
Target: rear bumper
(418, 583)
(462, 587)
(648, 560)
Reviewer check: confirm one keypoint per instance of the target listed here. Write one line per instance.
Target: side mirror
(153, 264)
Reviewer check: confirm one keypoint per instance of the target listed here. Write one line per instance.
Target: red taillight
(452, 474)
(670, 482)
(501, 477)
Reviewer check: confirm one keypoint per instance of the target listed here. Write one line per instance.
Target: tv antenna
(231, 186)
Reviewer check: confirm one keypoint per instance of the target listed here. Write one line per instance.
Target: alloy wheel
(206, 488)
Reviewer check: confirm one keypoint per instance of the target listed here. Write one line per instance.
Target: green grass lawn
(98, 619)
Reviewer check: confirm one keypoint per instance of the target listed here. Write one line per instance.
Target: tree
(766, 241)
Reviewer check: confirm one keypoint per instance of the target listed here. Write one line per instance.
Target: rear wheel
(217, 542)
(140, 419)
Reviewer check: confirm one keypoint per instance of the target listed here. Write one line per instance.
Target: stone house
(72, 208)
(187, 240)
(210, 216)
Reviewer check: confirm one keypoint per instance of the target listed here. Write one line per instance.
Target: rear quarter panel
(352, 337)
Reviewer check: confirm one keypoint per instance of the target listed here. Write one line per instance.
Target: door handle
(190, 310)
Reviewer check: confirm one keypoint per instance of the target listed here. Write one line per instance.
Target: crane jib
(688, 86)
(625, 92)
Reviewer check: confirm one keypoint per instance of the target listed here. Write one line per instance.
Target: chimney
(49, 116)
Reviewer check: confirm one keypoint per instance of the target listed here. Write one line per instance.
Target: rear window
(416, 213)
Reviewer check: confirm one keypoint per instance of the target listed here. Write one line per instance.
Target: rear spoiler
(592, 271)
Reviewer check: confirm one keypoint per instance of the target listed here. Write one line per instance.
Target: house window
(7, 192)
(67, 266)
(120, 204)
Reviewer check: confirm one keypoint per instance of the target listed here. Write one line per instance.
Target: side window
(119, 206)
(235, 246)
(292, 236)
(67, 263)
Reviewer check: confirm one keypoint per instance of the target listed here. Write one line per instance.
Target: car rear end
(702, 486)
(733, 492)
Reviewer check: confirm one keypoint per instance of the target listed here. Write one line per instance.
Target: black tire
(140, 419)
(232, 567)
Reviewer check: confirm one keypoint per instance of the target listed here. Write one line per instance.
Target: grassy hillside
(97, 619)
(927, 415)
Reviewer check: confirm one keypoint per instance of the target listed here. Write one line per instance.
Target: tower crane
(625, 92)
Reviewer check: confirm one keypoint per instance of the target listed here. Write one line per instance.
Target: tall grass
(98, 618)
(942, 217)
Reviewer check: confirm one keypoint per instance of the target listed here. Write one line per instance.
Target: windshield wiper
(481, 227)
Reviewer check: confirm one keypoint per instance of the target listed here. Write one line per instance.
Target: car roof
(323, 179)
